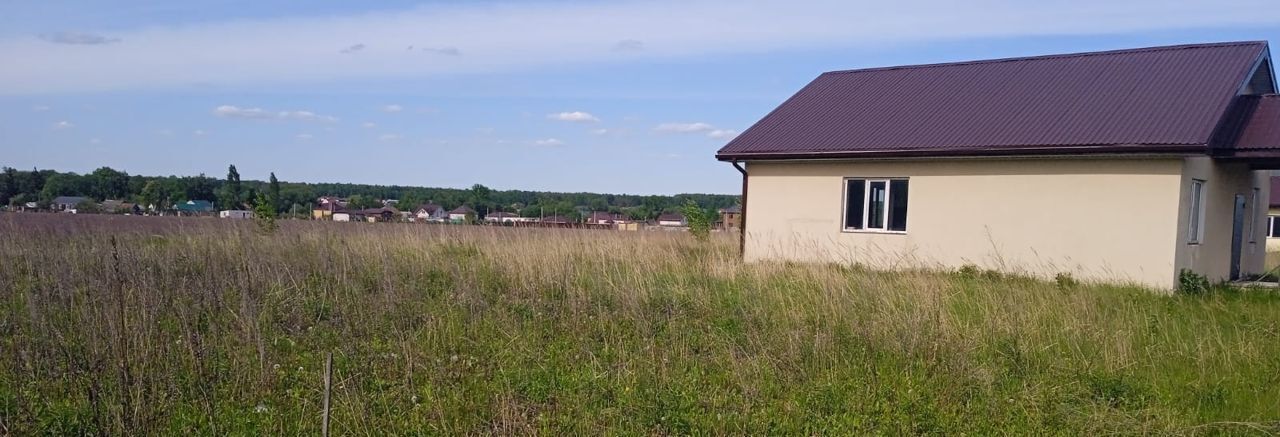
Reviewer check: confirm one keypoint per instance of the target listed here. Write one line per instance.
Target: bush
(264, 214)
(699, 220)
(1190, 282)
(1065, 281)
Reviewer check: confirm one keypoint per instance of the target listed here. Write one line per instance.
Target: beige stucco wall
(1099, 219)
(1212, 257)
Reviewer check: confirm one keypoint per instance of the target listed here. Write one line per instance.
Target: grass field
(156, 325)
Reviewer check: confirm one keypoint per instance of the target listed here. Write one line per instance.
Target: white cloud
(63, 125)
(200, 132)
(684, 127)
(722, 134)
(351, 49)
(304, 136)
(600, 131)
(368, 125)
(549, 142)
(389, 137)
(629, 45)
(447, 51)
(229, 111)
(95, 141)
(575, 117)
(392, 108)
(77, 38)
(520, 36)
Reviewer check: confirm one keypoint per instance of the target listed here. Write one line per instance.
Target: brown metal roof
(1159, 99)
(1262, 128)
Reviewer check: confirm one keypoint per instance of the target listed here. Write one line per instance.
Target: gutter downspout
(742, 223)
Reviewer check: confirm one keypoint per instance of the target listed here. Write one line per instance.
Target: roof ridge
(1054, 56)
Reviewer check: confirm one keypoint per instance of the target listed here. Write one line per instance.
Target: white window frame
(1195, 223)
(866, 202)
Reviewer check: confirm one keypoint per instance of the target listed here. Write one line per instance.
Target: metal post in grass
(328, 382)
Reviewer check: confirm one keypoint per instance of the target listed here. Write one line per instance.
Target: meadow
(144, 325)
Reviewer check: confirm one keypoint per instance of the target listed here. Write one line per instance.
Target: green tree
(232, 194)
(62, 184)
(479, 197)
(264, 213)
(107, 183)
(362, 202)
(154, 193)
(273, 193)
(8, 184)
(88, 207)
(698, 219)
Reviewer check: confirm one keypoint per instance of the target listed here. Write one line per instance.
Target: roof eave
(1091, 150)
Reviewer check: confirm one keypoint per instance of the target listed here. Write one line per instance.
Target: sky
(603, 96)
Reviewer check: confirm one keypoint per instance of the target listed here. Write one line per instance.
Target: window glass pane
(1193, 230)
(1253, 230)
(898, 205)
(853, 202)
(1275, 230)
(876, 191)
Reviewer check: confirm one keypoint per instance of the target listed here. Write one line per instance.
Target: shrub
(264, 214)
(699, 220)
(1190, 282)
(1065, 281)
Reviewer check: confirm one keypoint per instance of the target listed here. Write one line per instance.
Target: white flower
(260, 408)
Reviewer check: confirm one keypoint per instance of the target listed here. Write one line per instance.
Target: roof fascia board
(1100, 150)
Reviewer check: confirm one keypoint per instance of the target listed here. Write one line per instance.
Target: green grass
(211, 328)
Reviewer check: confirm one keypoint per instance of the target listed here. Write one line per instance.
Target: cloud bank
(77, 38)
(513, 36)
(229, 111)
(574, 117)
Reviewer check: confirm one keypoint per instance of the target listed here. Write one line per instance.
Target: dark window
(1274, 226)
(898, 205)
(876, 204)
(853, 203)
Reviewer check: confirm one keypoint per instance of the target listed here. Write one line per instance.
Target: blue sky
(622, 97)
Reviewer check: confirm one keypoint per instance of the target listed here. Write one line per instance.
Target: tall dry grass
(138, 325)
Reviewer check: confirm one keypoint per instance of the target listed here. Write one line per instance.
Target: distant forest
(18, 187)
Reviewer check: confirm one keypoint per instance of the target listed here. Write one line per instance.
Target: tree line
(18, 187)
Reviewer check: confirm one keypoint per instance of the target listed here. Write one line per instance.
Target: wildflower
(260, 408)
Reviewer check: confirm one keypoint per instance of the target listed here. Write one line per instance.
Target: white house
(460, 214)
(430, 212)
(235, 214)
